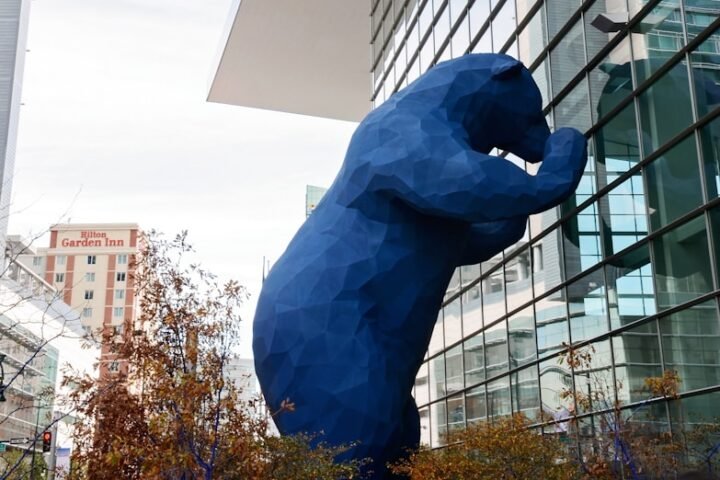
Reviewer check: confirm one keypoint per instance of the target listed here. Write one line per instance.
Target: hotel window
(114, 366)
(118, 312)
(90, 277)
(87, 312)
(91, 259)
(89, 294)
(120, 276)
(118, 329)
(59, 277)
(122, 259)
(119, 294)
(60, 260)
(37, 261)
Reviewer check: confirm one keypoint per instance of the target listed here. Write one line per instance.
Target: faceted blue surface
(346, 314)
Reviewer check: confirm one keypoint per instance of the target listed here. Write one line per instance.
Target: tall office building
(92, 265)
(629, 266)
(14, 16)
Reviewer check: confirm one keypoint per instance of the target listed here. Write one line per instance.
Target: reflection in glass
(498, 398)
(622, 212)
(474, 359)
(454, 369)
(631, 295)
(475, 405)
(611, 80)
(456, 412)
(547, 262)
(503, 24)
(661, 38)
(574, 109)
(706, 74)
(555, 381)
(517, 280)
(665, 108)
(594, 381)
(438, 423)
(478, 14)
(424, 426)
(493, 291)
(461, 38)
(533, 38)
(452, 322)
(691, 345)
(525, 392)
(551, 323)
(617, 144)
(710, 145)
(437, 377)
(496, 352)
(637, 357)
(559, 12)
(682, 270)
(521, 335)
(588, 311)
(586, 188)
(568, 57)
(673, 181)
(436, 341)
(472, 310)
(541, 76)
(582, 241)
(422, 388)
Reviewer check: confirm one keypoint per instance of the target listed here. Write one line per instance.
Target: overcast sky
(115, 128)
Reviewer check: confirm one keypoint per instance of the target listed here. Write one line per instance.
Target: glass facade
(628, 266)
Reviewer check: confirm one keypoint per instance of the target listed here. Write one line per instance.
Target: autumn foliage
(174, 414)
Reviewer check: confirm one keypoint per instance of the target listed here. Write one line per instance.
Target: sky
(115, 127)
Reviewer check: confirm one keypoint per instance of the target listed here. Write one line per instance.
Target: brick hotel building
(629, 266)
(92, 265)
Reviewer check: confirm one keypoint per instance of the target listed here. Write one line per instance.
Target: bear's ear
(506, 68)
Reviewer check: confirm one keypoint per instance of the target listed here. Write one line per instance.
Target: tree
(173, 414)
(501, 450)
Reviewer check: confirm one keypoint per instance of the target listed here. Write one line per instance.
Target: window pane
(665, 109)
(436, 341)
(474, 359)
(517, 280)
(525, 392)
(611, 80)
(533, 38)
(503, 24)
(424, 426)
(682, 270)
(582, 241)
(496, 352)
(617, 143)
(521, 334)
(587, 305)
(454, 369)
(559, 13)
(631, 294)
(710, 145)
(498, 398)
(437, 377)
(422, 389)
(637, 357)
(552, 324)
(661, 40)
(452, 322)
(691, 345)
(568, 57)
(623, 211)
(438, 423)
(673, 182)
(594, 382)
(456, 412)
(555, 380)
(574, 108)
(706, 74)
(472, 310)
(475, 404)
(493, 292)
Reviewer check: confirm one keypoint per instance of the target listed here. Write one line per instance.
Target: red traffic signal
(47, 440)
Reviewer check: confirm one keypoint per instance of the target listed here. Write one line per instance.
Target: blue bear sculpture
(346, 314)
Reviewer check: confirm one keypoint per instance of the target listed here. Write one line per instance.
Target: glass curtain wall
(629, 265)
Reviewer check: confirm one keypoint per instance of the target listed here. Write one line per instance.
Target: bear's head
(500, 105)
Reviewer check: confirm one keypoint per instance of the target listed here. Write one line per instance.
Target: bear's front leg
(485, 240)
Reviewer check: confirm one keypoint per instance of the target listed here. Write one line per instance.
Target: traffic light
(47, 440)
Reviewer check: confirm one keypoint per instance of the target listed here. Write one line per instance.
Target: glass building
(628, 268)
